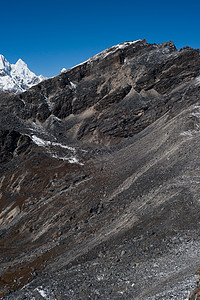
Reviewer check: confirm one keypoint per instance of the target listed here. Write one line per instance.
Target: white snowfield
(16, 77)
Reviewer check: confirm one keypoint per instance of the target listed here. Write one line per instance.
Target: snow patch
(39, 142)
(53, 149)
(71, 160)
(197, 81)
(72, 85)
(44, 293)
(63, 146)
(46, 100)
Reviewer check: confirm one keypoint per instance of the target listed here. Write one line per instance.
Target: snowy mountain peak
(16, 77)
(4, 64)
(2, 58)
(21, 63)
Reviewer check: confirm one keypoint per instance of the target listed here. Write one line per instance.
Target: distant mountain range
(16, 77)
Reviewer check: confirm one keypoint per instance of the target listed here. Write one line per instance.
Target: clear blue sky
(50, 35)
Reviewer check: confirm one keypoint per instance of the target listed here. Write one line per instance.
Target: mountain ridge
(100, 179)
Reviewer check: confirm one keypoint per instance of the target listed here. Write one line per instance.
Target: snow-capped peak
(21, 64)
(4, 64)
(16, 77)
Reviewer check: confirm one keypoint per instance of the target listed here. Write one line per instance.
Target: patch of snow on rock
(63, 70)
(197, 81)
(39, 141)
(46, 100)
(72, 85)
(54, 149)
(44, 294)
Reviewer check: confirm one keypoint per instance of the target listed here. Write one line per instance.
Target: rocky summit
(100, 179)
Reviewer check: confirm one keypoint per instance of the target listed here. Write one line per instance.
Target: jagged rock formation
(100, 178)
(16, 77)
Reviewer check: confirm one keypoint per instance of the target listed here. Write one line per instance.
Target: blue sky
(50, 35)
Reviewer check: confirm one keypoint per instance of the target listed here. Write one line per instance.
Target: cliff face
(99, 178)
(115, 94)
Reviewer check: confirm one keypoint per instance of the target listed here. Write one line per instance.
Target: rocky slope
(16, 77)
(195, 294)
(100, 179)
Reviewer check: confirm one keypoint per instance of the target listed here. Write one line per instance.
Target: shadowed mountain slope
(100, 179)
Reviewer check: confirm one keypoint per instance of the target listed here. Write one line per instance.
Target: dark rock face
(100, 179)
(11, 143)
(129, 93)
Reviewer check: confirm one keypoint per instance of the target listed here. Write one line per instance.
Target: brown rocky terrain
(100, 178)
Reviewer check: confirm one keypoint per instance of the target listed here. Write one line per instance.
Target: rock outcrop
(100, 178)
